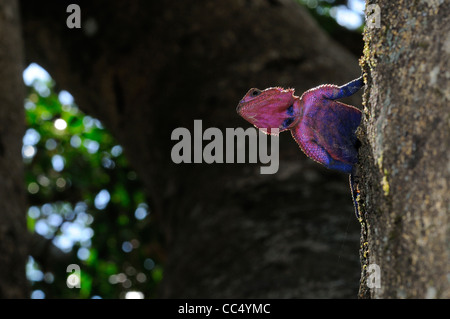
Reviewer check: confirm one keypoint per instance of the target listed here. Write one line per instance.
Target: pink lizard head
(271, 108)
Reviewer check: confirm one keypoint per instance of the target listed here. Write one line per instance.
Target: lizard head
(270, 108)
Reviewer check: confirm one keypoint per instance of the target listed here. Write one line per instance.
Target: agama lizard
(323, 127)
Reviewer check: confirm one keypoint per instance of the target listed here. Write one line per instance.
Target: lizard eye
(256, 92)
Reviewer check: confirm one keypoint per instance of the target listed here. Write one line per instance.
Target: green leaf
(30, 224)
(85, 285)
(157, 274)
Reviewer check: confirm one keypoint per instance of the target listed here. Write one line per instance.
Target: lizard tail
(355, 194)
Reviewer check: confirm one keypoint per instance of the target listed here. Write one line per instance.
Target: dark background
(211, 231)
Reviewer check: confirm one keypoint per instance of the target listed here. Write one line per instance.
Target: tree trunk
(13, 232)
(147, 67)
(405, 158)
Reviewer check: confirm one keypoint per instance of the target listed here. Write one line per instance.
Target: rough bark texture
(147, 67)
(13, 232)
(405, 159)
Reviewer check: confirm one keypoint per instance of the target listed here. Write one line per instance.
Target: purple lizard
(323, 127)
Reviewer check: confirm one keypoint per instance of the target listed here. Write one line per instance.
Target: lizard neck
(298, 108)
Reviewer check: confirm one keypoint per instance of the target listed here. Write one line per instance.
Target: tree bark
(405, 158)
(13, 232)
(145, 68)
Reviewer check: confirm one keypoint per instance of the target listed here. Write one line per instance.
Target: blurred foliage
(330, 13)
(325, 11)
(86, 200)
